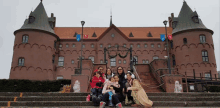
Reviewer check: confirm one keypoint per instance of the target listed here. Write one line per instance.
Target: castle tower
(192, 46)
(34, 47)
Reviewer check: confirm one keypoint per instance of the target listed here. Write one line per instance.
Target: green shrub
(12, 85)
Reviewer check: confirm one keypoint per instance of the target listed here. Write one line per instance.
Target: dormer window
(195, 19)
(174, 24)
(31, 19)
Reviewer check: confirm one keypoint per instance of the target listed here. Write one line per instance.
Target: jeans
(115, 100)
(96, 96)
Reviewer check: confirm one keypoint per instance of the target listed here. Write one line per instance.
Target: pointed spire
(111, 18)
(187, 20)
(41, 20)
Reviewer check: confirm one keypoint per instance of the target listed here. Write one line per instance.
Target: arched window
(152, 45)
(174, 61)
(205, 56)
(25, 39)
(92, 45)
(67, 45)
(53, 59)
(202, 39)
(61, 61)
(74, 46)
(72, 61)
(184, 41)
(101, 46)
(145, 45)
(84, 46)
(101, 61)
(143, 61)
(155, 57)
(138, 45)
(113, 61)
(131, 46)
(109, 45)
(171, 44)
(55, 44)
(21, 61)
(147, 61)
(124, 45)
(119, 61)
(158, 46)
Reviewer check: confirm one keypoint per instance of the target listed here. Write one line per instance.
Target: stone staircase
(54, 99)
(147, 78)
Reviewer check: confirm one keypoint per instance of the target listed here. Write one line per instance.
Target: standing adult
(138, 93)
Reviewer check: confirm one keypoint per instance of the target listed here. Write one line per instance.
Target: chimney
(51, 15)
(172, 15)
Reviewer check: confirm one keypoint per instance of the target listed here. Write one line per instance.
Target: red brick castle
(43, 51)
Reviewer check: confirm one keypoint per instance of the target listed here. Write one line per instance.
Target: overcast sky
(96, 13)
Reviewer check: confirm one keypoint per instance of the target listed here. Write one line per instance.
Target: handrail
(141, 81)
(153, 71)
(136, 73)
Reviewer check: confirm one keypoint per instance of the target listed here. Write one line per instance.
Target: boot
(119, 105)
(102, 105)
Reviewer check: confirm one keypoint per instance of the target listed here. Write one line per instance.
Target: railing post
(211, 74)
(215, 77)
(201, 76)
(186, 83)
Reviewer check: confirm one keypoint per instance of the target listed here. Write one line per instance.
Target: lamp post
(82, 22)
(168, 57)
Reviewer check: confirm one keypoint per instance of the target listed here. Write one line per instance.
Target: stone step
(96, 107)
(83, 98)
(190, 94)
(83, 103)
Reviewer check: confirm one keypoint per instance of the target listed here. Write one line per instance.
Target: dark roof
(185, 21)
(41, 20)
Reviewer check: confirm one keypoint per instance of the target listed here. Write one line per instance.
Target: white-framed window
(158, 46)
(119, 61)
(138, 45)
(109, 45)
(101, 61)
(152, 45)
(113, 35)
(67, 45)
(92, 45)
(60, 45)
(155, 57)
(145, 45)
(143, 61)
(124, 61)
(25, 39)
(72, 61)
(113, 62)
(21, 61)
(202, 39)
(59, 77)
(61, 61)
(74, 46)
(92, 58)
(205, 57)
(84, 46)
(131, 46)
(124, 45)
(207, 76)
(147, 61)
(101, 45)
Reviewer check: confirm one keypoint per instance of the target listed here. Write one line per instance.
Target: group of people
(108, 88)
